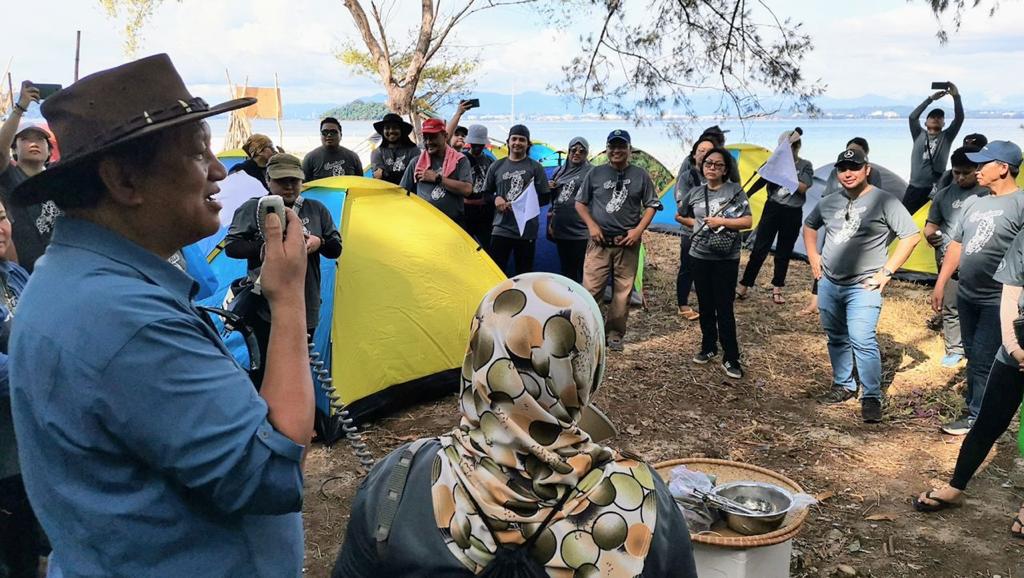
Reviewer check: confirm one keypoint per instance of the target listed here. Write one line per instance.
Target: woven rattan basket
(726, 471)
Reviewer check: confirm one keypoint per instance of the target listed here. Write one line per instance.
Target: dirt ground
(665, 407)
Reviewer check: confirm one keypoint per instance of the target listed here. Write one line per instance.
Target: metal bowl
(774, 501)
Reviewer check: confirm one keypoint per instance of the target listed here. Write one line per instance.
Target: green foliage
(661, 176)
(358, 110)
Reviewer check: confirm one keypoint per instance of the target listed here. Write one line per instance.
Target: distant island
(358, 110)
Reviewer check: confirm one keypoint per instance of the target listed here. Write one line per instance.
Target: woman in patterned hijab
(536, 356)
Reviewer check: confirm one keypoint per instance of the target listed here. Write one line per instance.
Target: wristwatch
(886, 271)
(437, 181)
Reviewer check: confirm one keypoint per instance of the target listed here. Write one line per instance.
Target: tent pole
(78, 51)
(280, 111)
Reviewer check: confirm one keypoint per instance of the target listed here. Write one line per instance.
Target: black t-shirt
(249, 167)
(244, 240)
(31, 226)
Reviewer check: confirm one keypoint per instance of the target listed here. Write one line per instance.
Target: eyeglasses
(849, 206)
(713, 165)
(618, 182)
(580, 150)
(330, 132)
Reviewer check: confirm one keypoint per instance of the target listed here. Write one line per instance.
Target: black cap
(851, 157)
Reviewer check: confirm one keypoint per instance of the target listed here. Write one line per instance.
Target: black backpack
(514, 562)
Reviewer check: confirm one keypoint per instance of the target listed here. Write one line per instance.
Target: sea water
(823, 139)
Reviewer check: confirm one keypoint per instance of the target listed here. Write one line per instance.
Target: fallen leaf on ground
(882, 517)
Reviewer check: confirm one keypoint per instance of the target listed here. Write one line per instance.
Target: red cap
(432, 126)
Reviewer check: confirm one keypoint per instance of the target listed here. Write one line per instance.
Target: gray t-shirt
(566, 223)
(987, 227)
(786, 198)
(687, 179)
(446, 201)
(393, 161)
(617, 200)
(508, 179)
(947, 208)
(930, 153)
(700, 202)
(858, 232)
(321, 163)
(1011, 272)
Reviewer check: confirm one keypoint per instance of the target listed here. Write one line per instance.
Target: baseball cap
(619, 134)
(477, 135)
(1003, 151)
(32, 127)
(976, 139)
(432, 126)
(851, 157)
(284, 166)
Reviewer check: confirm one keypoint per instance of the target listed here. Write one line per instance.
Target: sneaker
(733, 369)
(838, 394)
(960, 427)
(704, 356)
(952, 360)
(871, 410)
(615, 343)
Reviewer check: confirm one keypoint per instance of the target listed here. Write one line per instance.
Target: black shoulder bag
(718, 243)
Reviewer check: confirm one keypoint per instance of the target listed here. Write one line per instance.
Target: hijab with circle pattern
(536, 355)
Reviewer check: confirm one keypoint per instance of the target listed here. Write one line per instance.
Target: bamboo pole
(280, 111)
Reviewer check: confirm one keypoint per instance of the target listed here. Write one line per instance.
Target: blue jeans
(849, 316)
(979, 330)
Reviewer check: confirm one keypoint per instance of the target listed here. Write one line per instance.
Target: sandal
(940, 504)
(1019, 520)
(689, 313)
(777, 297)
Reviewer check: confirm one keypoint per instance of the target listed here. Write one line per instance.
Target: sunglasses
(713, 165)
(330, 132)
(849, 206)
(580, 150)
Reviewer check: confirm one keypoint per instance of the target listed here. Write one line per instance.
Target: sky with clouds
(883, 47)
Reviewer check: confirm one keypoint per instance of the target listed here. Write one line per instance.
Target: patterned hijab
(536, 355)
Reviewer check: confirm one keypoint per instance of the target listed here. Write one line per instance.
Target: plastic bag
(682, 482)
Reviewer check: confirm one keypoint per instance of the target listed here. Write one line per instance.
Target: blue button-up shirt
(144, 447)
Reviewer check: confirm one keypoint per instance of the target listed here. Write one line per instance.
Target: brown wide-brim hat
(110, 108)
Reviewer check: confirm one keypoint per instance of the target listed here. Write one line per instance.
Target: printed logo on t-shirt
(336, 168)
(479, 179)
(516, 184)
(1002, 265)
(618, 195)
(930, 148)
(396, 164)
(437, 194)
(958, 203)
(48, 216)
(568, 192)
(850, 219)
(986, 228)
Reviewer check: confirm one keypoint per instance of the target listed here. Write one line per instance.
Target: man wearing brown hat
(144, 447)
(32, 146)
(396, 151)
(258, 148)
(245, 241)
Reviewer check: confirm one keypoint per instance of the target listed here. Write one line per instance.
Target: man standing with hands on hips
(852, 270)
(617, 201)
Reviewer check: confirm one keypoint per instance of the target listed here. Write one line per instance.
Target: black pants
(521, 250)
(21, 539)
(915, 198)
(571, 255)
(261, 331)
(715, 282)
(1003, 395)
(684, 278)
(776, 220)
(479, 225)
